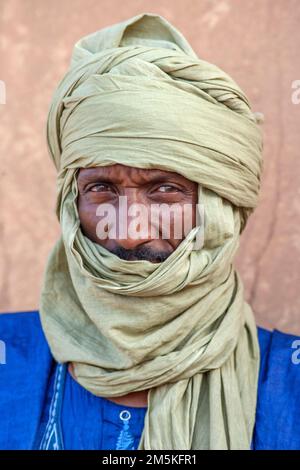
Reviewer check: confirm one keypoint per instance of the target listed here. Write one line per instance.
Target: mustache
(141, 253)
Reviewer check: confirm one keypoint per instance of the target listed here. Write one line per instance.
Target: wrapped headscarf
(137, 94)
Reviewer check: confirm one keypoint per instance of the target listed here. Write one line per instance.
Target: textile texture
(137, 94)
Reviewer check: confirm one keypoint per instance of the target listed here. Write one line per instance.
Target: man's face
(147, 188)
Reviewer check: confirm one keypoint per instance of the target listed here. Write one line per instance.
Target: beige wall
(256, 41)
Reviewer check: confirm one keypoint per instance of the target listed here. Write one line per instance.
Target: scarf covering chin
(137, 94)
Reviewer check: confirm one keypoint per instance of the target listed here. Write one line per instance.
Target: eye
(167, 188)
(100, 187)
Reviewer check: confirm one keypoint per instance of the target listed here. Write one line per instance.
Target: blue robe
(43, 407)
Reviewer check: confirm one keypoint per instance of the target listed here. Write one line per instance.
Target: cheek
(172, 222)
(183, 220)
(87, 215)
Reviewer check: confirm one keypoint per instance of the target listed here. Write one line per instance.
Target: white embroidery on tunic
(125, 439)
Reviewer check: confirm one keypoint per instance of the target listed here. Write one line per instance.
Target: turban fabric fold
(137, 94)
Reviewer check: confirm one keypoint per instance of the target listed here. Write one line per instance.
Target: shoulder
(21, 337)
(280, 353)
(278, 412)
(26, 364)
(282, 339)
(20, 322)
(23, 345)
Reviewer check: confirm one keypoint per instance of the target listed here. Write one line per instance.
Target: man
(148, 342)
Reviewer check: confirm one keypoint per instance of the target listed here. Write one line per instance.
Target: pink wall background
(255, 41)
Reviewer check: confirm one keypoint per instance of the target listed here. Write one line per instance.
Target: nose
(133, 219)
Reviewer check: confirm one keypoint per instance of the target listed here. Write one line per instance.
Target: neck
(138, 399)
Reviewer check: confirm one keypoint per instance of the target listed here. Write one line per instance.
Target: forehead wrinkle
(116, 174)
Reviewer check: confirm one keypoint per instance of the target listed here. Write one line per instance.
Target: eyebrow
(84, 178)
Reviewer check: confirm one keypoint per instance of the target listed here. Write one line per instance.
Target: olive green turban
(137, 94)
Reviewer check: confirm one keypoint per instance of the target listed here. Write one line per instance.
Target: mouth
(142, 253)
(157, 259)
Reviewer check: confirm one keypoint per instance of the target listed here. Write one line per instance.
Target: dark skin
(103, 185)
